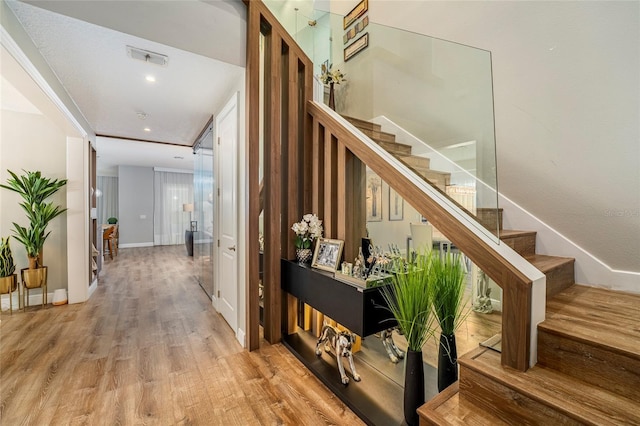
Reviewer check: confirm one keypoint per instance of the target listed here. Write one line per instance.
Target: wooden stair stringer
(539, 395)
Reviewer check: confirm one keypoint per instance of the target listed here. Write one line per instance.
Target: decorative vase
(413, 386)
(303, 255)
(447, 361)
(332, 99)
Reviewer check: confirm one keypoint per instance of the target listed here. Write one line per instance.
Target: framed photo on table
(327, 254)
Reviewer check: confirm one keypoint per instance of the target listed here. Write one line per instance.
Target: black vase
(413, 386)
(447, 361)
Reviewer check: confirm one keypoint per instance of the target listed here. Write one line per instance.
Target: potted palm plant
(410, 299)
(34, 190)
(450, 309)
(8, 279)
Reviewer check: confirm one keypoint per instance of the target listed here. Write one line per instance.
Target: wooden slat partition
(516, 331)
(286, 194)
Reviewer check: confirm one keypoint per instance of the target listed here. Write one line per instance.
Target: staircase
(403, 152)
(588, 369)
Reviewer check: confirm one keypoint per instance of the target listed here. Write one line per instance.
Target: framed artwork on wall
(356, 47)
(374, 197)
(327, 254)
(355, 13)
(396, 205)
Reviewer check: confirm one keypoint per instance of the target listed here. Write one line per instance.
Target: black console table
(361, 310)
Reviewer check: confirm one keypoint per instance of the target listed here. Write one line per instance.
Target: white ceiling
(85, 43)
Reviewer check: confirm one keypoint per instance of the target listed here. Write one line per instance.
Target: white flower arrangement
(331, 76)
(306, 230)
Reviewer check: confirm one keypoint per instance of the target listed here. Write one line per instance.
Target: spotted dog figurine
(395, 354)
(340, 342)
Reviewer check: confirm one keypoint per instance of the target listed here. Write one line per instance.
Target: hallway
(148, 348)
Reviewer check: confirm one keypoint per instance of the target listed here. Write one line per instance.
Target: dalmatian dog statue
(340, 342)
(394, 353)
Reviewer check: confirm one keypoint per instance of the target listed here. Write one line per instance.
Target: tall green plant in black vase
(410, 300)
(449, 305)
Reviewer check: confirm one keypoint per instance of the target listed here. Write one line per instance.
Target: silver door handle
(233, 248)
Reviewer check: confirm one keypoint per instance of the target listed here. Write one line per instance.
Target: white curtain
(107, 202)
(171, 191)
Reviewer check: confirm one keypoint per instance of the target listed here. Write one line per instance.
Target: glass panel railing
(431, 100)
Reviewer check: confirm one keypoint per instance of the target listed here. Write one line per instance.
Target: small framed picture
(327, 254)
(396, 205)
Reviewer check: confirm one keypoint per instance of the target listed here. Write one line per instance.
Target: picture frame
(356, 47)
(355, 13)
(396, 205)
(327, 254)
(374, 197)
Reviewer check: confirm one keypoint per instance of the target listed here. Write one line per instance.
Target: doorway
(203, 235)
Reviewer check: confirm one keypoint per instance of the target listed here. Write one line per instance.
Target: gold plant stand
(7, 286)
(33, 278)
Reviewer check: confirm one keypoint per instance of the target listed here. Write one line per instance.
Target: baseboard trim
(133, 245)
(34, 299)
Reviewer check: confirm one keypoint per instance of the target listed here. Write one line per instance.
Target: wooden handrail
(516, 286)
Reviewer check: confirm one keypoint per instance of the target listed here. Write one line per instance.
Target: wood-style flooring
(148, 348)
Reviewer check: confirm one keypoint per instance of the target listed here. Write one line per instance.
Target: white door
(227, 124)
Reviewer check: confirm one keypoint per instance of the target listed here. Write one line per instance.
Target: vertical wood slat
(329, 185)
(340, 197)
(253, 163)
(273, 188)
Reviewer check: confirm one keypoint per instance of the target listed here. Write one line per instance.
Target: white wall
(135, 201)
(33, 143)
(567, 106)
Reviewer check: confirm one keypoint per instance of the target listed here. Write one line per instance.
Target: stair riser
(413, 161)
(507, 404)
(595, 365)
(523, 245)
(489, 217)
(559, 279)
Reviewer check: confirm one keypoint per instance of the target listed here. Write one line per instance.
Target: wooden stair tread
(599, 317)
(395, 148)
(362, 124)
(565, 394)
(450, 408)
(546, 263)
(512, 233)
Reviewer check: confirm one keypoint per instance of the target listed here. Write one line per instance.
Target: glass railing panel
(433, 95)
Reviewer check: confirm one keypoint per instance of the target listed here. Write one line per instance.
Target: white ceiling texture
(85, 43)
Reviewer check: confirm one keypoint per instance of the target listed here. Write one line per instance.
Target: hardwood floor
(148, 348)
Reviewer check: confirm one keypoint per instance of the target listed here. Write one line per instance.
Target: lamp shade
(187, 207)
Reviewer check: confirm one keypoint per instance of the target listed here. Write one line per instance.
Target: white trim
(34, 300)
(241, 337)
(133, 245)
(12, 47)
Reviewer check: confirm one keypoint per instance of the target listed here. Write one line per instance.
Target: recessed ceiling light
(150, 79)
(142, 115)
(146, 129)
(177, 157)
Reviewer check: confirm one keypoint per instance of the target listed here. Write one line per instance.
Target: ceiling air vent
(147, 56)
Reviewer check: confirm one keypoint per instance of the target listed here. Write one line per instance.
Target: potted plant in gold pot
(34, 190)
(8, 279)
